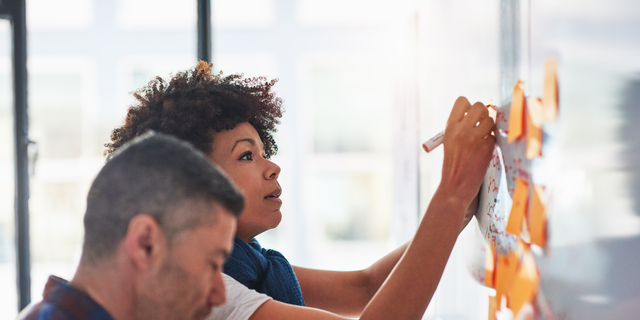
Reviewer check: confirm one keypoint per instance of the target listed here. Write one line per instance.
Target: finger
(460, 107)
(490, 140)
(476, 112)
(485, 127)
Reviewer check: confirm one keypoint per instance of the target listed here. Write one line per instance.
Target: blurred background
(364, 83)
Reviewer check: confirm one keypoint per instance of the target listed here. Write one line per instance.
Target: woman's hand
(468, 147)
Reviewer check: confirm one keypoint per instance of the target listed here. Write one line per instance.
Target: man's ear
(144, 241)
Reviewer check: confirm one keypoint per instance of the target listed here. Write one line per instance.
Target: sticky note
(525, 284)
(493, 307)
(505, 273)
(516, 113)
(538, 217)
(524, 231)
(519, 207)
(489, 265)
(550, 91)
(534, 119)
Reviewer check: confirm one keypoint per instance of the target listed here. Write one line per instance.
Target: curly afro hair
(195, 103)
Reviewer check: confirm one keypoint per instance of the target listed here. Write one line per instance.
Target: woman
(232, 120)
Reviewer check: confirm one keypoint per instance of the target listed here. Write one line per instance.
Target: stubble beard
(167, 296)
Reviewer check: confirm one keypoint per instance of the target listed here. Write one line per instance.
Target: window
(80, 76)
(459, 55)
(349, 100)
(339, 86)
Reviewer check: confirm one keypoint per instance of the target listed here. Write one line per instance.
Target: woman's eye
(247, 156)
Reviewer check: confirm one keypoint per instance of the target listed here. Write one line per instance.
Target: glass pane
(337, 101)
(155, 14)
(8, 287)
(462, 55)
(339, 83)
(78, 15)
(77, 96)
(351, 13)
(595, 218)
(358, 210)
(57, 186)
(352, 132)
(242, 13)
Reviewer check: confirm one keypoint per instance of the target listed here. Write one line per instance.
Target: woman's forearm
(415, 278)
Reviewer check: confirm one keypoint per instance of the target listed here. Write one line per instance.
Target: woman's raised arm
(407, 291)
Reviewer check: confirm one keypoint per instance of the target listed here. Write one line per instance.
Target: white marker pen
(432, 143)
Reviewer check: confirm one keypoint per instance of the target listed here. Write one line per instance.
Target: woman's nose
(273, 170)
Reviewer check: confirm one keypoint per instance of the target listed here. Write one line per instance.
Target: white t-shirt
(241, 303)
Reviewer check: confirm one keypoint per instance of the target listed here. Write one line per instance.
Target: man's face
(187, 282)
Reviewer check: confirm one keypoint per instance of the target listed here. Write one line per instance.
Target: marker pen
(432, 143)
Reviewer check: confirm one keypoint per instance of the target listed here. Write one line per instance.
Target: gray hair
(154, 174)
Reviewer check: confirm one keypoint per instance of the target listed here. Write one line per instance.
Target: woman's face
(240, 153)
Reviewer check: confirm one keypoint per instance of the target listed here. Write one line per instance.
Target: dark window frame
(14, 11)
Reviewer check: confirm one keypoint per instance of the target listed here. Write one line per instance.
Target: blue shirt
(61, 301)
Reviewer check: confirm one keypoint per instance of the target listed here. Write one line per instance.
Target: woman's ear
(144, 242)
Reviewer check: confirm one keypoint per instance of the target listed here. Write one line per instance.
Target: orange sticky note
(505, 273)
(538, 217)
(534, 119)
(550, 91)
(493, 307)
(525, 284)
(489, 266)
(519, 207)
(516, 113)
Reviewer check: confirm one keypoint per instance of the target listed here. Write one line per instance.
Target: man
(159, 226)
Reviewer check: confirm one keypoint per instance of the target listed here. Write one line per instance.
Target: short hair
(194, 104)
(154, 174)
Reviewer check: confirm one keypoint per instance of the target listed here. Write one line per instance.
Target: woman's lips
(275, 196)
(274, 199)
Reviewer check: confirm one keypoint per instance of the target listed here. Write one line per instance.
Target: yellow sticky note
(516, 113)
(538, 217)
(534, 119)
(489, 266)
(519, 207)
(525, 284)
(550, 91)
(505, 273)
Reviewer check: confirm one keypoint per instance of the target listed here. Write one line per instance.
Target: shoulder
(43, 311)
(241, 303)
